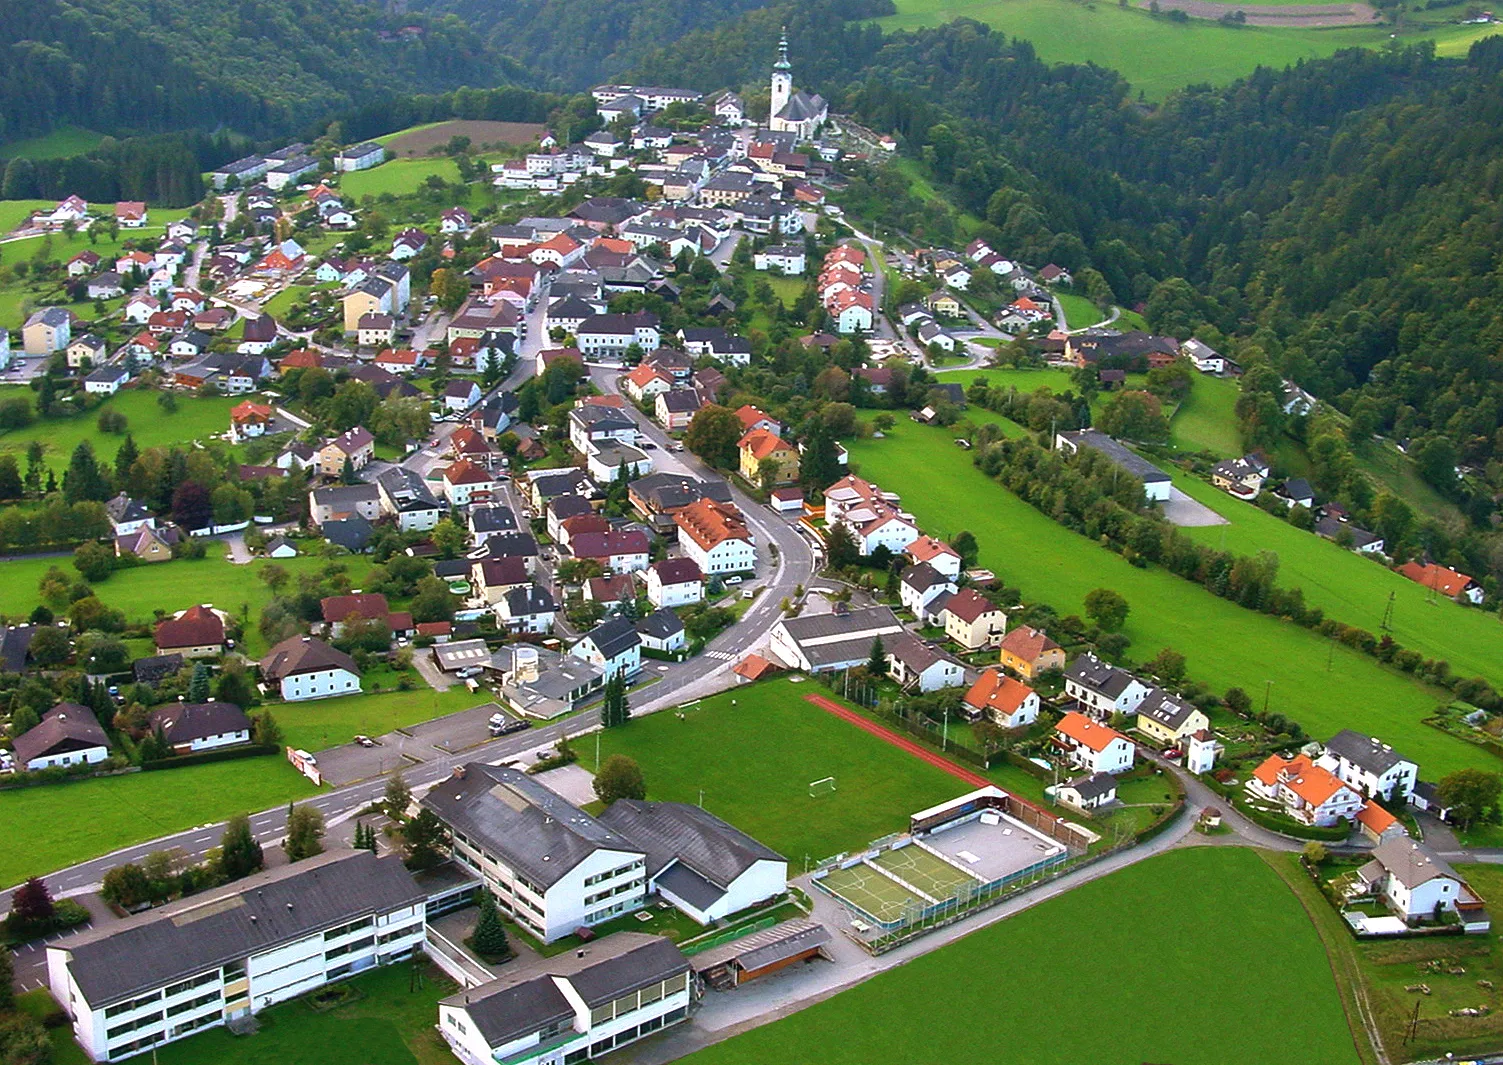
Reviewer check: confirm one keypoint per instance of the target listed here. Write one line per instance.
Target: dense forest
(574, 44)
(260, 67)
(1339, 221)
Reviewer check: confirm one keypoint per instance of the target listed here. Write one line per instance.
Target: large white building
(220, 956)
(579, 1006)
(303, 667)
(555, 869)
(818, 643)
(714, 536)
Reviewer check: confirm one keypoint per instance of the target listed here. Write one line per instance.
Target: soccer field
(933, 876)
(1166, 961)
(751, 754)
(878, 896)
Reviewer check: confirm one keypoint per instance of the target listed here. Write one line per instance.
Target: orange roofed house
(1444, 580)
(714, 535)
(1002, 700)
(1092, 746)
(762, 445)
(197, 632)
(1307, 792)
(1028, 652)
(248, 419)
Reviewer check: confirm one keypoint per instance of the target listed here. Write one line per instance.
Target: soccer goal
(822, 786)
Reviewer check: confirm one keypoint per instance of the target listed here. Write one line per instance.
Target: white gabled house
(1092, 746)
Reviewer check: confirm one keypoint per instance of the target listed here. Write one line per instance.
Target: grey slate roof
(921, 577)
(667, 491)
(508, 813)
(492, 519)
(1372, 755)
(303, 654)
(1130, 461)
(186, 938)
(1091, 672)
(1411, 863)
(352, 533)
(156, 668)
(857, 626)
(613, 636)
(678, 832)
(525, 602)
(186, 722)
(1093, 786)
(513, 1006)
(66, 727)
(660, 624)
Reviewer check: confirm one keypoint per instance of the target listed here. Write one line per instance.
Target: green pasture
(1225, 644)
(1158, 55)
(1079, 311)
(59, 144)
(1119, 961)
(399, 177)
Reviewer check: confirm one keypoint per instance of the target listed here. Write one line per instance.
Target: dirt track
(1304, 15)
(481, 133)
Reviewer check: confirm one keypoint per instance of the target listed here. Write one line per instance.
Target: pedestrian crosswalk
(720, 656)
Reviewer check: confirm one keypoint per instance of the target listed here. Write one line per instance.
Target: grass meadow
(1225, 644)
(52, 826)
(400, 177)
(59, 144)
(1355, 589)
(197, 418)
(1158, 55)
(1102, 974)
(753, 752)
(1079, 311)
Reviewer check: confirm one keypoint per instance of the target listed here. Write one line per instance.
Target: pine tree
(198, 686)
(489, 939)
(125, 458)
(876, 663)
(614, 711)
(305, 832)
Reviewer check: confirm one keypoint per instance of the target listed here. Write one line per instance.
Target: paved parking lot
(1181, 510)
(350, 762)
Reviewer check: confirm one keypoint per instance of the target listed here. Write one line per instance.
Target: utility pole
(1387, 624)
(1267, 691)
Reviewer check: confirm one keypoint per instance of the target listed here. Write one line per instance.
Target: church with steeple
(801, 113)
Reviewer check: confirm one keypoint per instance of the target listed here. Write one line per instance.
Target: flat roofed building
(232, 951)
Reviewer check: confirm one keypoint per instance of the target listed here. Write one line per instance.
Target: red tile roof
(198, 626)
(1088, 733)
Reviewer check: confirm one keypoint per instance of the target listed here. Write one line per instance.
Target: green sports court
(933, 876)
(868, 891)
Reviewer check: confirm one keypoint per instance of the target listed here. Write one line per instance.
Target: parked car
(365, 741)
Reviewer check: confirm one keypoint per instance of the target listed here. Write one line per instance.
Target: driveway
(437, 679)
(1185, 512)
(349, 763)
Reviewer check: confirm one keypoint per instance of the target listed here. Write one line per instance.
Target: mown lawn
(323, 723)
(1102, 974)
(1207, 419)
(752, 753)
(1023, 380)
(197, 418)
(173, 586)
(14, 212)
(52, 826)
(1157, 55)
(1079, 311)
(389, 1023)
(397, 176)
(1225, 644)
(1355, 589)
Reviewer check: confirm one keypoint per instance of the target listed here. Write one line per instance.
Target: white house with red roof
(936, 553)
(1307, 792)
(853, 312)
(1002, 700)
(466, 482)
(1093, 746)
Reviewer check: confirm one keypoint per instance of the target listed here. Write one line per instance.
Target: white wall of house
(672, 595)
(219, 739)
(319, 684)
(1421, 901)
(1128, 702)
(728, 556)
(85, 756)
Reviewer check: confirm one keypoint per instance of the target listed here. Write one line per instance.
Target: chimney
(459, 772)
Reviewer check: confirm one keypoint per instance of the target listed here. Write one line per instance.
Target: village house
(675, 582)
(613, 646)
(1101, 689)
(67, 735)
(304, 667)
(619, 550)
(1307, 792)
(356, 446)
(973, 621)
(922, 590)
(715, 537)
(1002, 700)
(1443, 579)
(197, 632)
(1093, 746)
(1416, 884)
(1169, 718)
(1089, 792)
(919, 666)
(190, 727)
(841, 639)
(1028, 652)
(761, 446)
(1370, 766)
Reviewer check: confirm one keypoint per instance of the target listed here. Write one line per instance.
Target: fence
(924, 728)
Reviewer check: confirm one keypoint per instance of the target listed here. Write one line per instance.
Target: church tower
(782, 79)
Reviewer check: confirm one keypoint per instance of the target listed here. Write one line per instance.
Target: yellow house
(944, 304)
(147, 544)
(1028, 652)
(357, 304)
(1168, 718)
(762, 445)
(47, 330)
(973, 621)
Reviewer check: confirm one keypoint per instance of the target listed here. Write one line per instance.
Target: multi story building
(223, 955)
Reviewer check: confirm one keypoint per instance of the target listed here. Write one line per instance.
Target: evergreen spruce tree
(489, 939)
(198, 685)
(876, 663)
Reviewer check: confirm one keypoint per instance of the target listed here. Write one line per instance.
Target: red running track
(976, 780)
